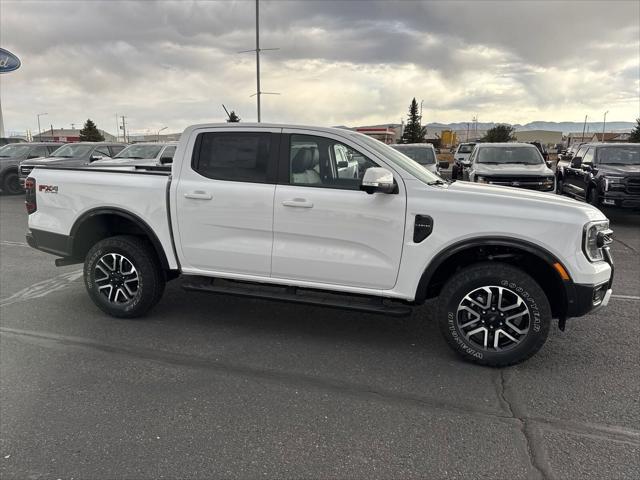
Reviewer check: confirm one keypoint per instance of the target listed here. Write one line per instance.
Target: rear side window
(236, 157)
(116, 149)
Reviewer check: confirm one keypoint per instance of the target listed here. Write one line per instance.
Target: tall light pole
(40, 131)
(258, 50)
(584, 126)
(163, 128)
(604, 121)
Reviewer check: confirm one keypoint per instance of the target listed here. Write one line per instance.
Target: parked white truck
(265, 211)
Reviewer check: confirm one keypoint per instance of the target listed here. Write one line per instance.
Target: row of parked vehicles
(603, 174)
(17, 160)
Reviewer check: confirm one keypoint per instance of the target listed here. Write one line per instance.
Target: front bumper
(583, 299)
(612, 198)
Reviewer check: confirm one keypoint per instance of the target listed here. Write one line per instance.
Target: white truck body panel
(349, 241)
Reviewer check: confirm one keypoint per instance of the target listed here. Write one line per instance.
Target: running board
(283, 293)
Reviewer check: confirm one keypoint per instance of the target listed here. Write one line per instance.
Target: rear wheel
(123, 277)
(494, 314)
(11, 184)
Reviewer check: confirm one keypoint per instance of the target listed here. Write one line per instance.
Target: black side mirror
(548, 163)
(443, 165)
(586, 167)
(165, 160)
(576, 162)
(343, 164)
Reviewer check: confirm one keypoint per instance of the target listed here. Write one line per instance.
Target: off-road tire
(11, 184)
(151, 281)
(501, 275)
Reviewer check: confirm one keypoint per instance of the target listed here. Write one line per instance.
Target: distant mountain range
(565, 127)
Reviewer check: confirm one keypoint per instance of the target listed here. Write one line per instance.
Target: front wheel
(494, 314)
(123, 277)
(559, 186)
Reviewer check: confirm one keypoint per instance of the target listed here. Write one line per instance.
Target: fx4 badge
(48, 188)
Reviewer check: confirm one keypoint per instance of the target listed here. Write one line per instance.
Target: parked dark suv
(10, 157)
(73, 155)
(603, 174)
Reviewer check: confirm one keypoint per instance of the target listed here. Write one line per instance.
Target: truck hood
(605, 169)
(548, 202)
(512, 169)
(57, 161)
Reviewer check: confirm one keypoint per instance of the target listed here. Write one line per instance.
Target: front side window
(39, 151)
(169, 152)
(323, 162)
(588, 157)
(422, 155)
(102, 150)
(237, 157)
(140, 152)
(72, 151)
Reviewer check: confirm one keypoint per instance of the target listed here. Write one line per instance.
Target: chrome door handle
(198, 195)
(298, 202)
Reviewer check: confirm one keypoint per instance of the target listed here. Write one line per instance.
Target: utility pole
(583, 127)
(258, 50)
(39, 130)
(604, 121)
(163, 128)
(467, 132)
(124, 129)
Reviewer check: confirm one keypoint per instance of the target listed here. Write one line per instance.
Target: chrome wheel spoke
(493, 318)
(116, 278)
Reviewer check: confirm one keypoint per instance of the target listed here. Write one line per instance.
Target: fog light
(598, 294)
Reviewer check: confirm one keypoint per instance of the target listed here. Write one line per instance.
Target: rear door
(325, 228)
(224, 201)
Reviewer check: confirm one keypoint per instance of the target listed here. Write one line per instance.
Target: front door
(327, 230)
(224, 202)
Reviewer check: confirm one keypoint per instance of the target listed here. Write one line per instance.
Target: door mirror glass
(576, 162)
(343, 164)
(443, 165)
(95, 157)
(378, 179)
(165, 160)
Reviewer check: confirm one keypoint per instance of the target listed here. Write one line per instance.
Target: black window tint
(40, 151)
(102, 150)
(116, 149)
(52, 148)
(169, 152)
(238, 157)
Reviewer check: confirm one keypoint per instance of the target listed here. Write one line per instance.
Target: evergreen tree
(413, 131)
(90, 132)
(500, 133)
(635, 133)
(233, 117)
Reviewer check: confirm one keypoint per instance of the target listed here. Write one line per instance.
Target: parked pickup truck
(246, 211)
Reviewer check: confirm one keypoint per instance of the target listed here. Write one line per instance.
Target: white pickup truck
(265, 211)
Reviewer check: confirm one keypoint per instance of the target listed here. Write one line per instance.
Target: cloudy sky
(339, 62)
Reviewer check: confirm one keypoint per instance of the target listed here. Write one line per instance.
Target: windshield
(141, 152)
(70, 151)
(622, 155)
(465, 148)
(423, 155)
(397, 158)
(524, 155)
(15, 150)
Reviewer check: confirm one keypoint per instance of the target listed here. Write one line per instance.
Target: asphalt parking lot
(228, 387)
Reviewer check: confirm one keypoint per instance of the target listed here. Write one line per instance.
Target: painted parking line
(13, 244)
(626, 297)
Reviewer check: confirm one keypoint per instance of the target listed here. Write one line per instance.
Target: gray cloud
(173, 63)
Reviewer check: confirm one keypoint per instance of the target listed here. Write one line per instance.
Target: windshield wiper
(63, 156)
(437, 182)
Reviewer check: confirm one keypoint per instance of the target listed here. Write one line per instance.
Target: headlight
(548, 183)
(609, 181)
(596, 235)
(482, 179)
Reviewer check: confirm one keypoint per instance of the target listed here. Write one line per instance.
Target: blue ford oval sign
(8, 61)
